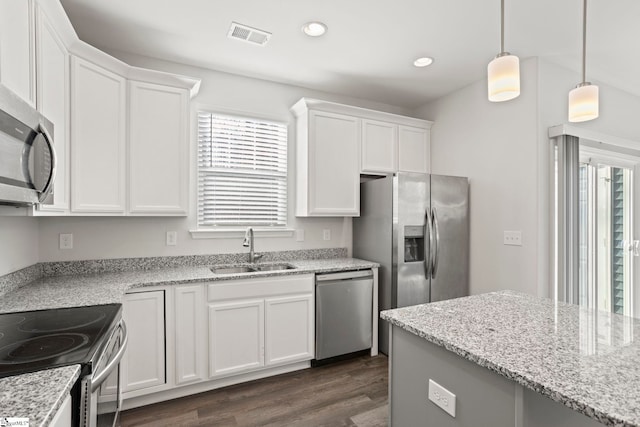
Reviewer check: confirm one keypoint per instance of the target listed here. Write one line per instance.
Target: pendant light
(503, 73)
(584, 99)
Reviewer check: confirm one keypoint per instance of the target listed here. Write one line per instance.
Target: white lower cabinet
(190, 334)
(260, 323)
(143, 365)
(236, 337)
(190, 338)
(289, 329)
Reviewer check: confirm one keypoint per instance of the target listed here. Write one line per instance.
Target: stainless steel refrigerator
(417, 227)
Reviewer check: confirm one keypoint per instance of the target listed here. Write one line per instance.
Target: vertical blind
(242, 171)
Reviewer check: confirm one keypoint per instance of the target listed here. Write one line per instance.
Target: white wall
(19, 247)
(139, 237)
(494, 144)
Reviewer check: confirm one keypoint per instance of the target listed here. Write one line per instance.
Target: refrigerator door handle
(436, 248)
(428, 244)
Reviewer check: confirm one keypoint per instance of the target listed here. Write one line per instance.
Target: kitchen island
(513, 360)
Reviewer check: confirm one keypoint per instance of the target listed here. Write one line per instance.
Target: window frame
(236, 231)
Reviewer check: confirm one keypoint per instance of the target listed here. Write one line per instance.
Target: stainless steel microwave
(27, 155)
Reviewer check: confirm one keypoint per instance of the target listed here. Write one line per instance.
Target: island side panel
(540, 411)
(483, 398)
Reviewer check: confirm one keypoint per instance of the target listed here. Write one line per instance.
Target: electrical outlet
(300, 235)
(513, 238)
(172, 238)
(66, 241)
(442, 397)
(326, 234)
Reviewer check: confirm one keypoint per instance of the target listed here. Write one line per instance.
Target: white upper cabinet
(17, 48)
(158, 149)
(327, 158)
(379, 147)
(98, 139)
(121, 133)
(413, 149)
(53, 102)
(335, 143)
(333, 183)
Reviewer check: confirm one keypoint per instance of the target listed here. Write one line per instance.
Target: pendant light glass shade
(584, 103)
(584, 99)
(503, 75)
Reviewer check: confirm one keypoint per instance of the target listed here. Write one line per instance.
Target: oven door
(103, 389)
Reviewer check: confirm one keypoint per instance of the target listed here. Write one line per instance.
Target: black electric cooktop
(35, 340)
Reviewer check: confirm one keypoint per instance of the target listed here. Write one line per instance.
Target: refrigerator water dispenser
(414, 243)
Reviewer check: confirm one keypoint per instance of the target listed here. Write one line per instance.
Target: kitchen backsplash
(22, 277)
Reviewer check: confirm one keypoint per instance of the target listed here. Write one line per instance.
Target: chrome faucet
(248, 243)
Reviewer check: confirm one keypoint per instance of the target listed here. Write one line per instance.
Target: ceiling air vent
(248, 34)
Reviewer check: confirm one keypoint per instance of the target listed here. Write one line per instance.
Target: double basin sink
(239, 269)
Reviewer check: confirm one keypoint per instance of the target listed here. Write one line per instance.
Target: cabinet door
(98, 139)
(236, 337)
(143, 365)
(379, 147)
(190, 336)
(158, 149)
(413, 149)
(289, 329)
(334, 179)
(53, 103)
(17, 48)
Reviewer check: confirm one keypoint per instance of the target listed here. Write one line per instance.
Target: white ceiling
(370, 46)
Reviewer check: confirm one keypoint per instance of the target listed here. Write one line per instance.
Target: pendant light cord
(584, 42)
(502, 26)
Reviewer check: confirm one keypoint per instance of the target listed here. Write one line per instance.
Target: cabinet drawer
(257, 287)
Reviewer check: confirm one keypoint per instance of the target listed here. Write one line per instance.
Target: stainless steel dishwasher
(344, 304)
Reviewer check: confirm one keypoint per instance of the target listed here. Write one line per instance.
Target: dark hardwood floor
(347, 393)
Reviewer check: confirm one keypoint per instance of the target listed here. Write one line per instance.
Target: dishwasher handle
(344, 275)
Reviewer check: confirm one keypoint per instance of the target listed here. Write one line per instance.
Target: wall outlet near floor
(442, 397)
(172, 238)
(300, 235)
(513, 238)
(326, 234)
(66, 241)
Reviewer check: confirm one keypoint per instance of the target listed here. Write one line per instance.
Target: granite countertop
(37, 395)
(107, 288)
(586, 359)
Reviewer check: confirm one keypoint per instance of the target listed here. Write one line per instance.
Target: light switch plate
(442, 397)
(300, 235)
(66, 241)
(513, 238)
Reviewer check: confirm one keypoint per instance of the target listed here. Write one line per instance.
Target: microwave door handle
(102, 376)
(436, 250)
(428, 244)
(52, 175)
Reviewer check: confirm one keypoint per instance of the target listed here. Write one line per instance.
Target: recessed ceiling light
(423, 62)
(314, 28)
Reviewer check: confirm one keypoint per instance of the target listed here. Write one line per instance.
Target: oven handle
(102, 376)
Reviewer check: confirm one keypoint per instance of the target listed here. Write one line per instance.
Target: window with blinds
(242, 171)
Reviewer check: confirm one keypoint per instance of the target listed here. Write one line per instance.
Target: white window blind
(242, 171)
